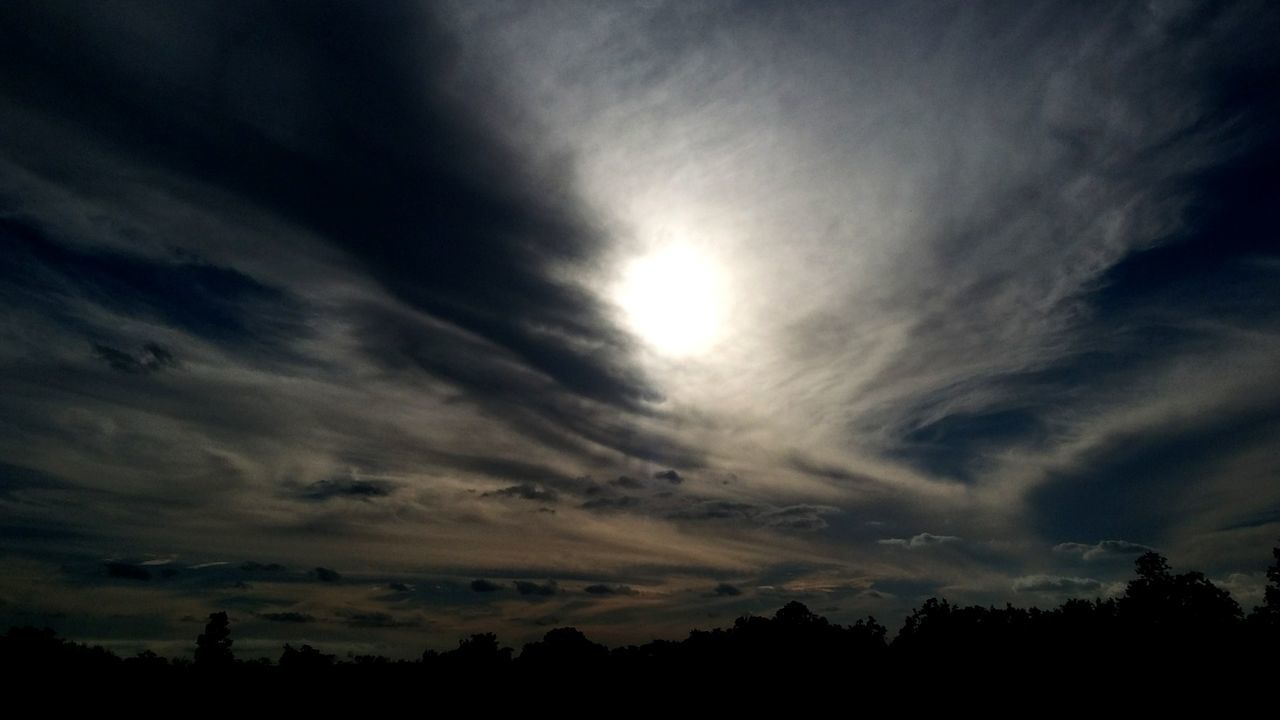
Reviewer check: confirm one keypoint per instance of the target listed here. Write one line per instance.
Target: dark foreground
(1170, 638)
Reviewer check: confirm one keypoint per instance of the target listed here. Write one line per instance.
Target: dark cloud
(363, 619)
(825, 470)
(254, 566)
(1056, 584)
(717, 510)
(15, 479)
(670, 476)
(354, 133)
(923, 540)
(484, 586)
(400, 587)
(322, 490)
(525, 587)
(606, 504)
(287, 617)
(725, 590)
(326, 575)
(127, 571)
(802, 518)
(217, 303)
(520, 397)
(1103, 549)
(526, 491)
(627, 483)
(153, 358)
(797, 517)
(608, 590)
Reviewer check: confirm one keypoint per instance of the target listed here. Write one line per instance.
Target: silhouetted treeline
(1177, 624)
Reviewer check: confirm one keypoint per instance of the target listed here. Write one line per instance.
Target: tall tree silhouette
(1271, 596)
(213, 646)
(1267, 615)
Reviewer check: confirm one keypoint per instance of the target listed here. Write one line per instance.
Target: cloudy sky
(377, 324)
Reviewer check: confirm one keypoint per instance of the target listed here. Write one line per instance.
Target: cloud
(1102, 550)
(725, 590)
(922, 540)
(490, 225)
(627, 483)
(670, 476)
(797, 517)
(611, 504)
(127, 571)
(525, 587)
(213, 302)
(287, 617)
(608, 590)
(717, 510)
(1056, 584)
(481, 585)
(526, 491)
(800, 518)
(153, 358)
(323, 490)
(326, 575)
(254, 566)
(365, 619)
(400, 587)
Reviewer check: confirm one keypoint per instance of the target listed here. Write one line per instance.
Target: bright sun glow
(674, 300)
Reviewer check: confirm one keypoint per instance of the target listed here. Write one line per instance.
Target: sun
(674, 299)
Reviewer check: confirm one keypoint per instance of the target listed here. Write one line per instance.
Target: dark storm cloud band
(350, 126)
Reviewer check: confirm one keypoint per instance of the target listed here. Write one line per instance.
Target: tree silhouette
(1165, 624)
(1271, 596)
(1267, 615)
(213, 646)
(304, 658)
(564, 648)
(1188, 600)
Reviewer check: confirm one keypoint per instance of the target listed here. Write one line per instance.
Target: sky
(380, 324)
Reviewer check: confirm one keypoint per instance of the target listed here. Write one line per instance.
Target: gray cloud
(525, 587)
(255, 566)
(1101, 550)
(608, 504)
(725, 590)
(602, 589)
(152, 358)
(364, 619)
(322, 490)
(923, 540)
(326, 575)
(287, 617)
(481, 585)
(791, 517)
(127, 571)
(627, 483)
(526, 491)
(670, 476)
(797, 517)
(1056, 584)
